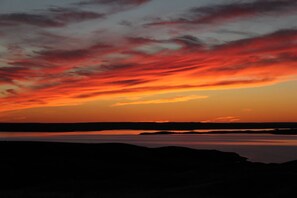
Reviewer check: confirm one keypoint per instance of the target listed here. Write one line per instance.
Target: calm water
(256, 147)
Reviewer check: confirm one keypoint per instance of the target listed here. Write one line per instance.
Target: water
(256, 147)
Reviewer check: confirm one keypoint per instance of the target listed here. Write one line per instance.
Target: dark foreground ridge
(98, 126)
(60, 170)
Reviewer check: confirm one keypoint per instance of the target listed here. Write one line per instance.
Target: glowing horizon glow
(98, 60)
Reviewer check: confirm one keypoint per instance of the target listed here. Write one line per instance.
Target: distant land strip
(270, 131)
(99, 126)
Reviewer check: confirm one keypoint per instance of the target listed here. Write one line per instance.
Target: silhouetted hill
(39, 169)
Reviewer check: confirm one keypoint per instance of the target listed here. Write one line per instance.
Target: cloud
(67, 15)
(129, 82)
(11, 91)
(52, 67)
(161, 101)
(114, 2)
(28, 19)
(224, 119)
(54, 77)
(189, 41)
(70, 55)
(112, 6)
(8, 75)
(227, 12)
(53, 17)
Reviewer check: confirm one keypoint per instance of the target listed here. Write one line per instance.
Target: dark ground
(64, 170)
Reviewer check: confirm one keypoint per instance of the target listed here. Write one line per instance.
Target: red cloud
(64, 77)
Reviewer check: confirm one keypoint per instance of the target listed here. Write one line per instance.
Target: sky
(148, 60)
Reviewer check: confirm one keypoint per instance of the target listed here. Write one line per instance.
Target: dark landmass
(60, 170)
(70, 127)
(273, 132)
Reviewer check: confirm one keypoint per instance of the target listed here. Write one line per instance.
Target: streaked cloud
(161, 101)
(53, 17)
(224, 119)
(114, 2)
(73, 54)
(227, 12)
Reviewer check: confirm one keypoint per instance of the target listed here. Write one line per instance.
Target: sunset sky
(148, 60)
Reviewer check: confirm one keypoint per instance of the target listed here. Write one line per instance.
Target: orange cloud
(264, 60)
(56, 75)
(224, 119)
(161, 101)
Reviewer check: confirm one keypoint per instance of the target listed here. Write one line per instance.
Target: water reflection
(256, 147)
